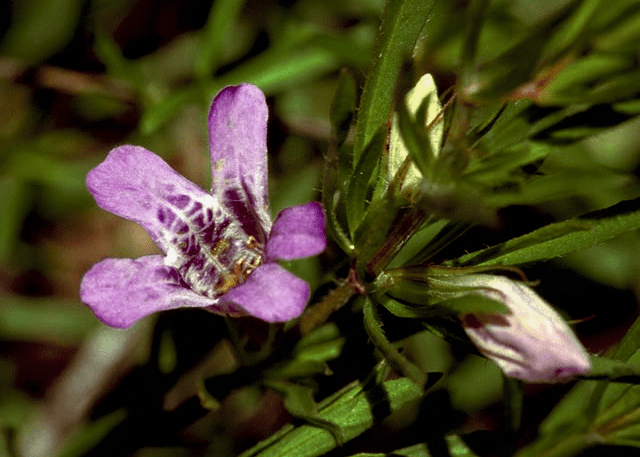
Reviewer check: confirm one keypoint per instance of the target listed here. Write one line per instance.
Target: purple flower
(221, 249)
(532, 342)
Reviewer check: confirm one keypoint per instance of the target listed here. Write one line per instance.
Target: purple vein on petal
(238, 147)
(136, 184)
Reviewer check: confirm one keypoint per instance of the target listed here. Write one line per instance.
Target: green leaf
(573, 412)
(17, 408)
(13, 208)
(374, 230)
(473, 304)
(459, 202)
(85, 439)
(629, 344)
(299, 402)
(158, 114)
(402, 22)
(110, 54)
(572, 30)
(623, 36)
(167, 355)
(458, 448)
(417, 450)
(449, 232)
(276, 69)
(513, 400)
(40, 28)
(542, 46)
(629, 107)
(618, 404)
(421, 240)
(612, 370)
(569, 183)
(343, 107)
(594, 412)
(430, 295)
(499, 167)
(617, 87)
(455, 445)
(334, 203)
(568, 444)
(221, 17)
(280, 67)
(551, 241)
(295, 188)
(500, 76)
(337, 159)
(207, 401)
(620, 415)
(519, 121)
(323, 344)
(44, 320)
(579, 82)
(310, 354)
(354, 409)
(405, 306)
(360, 179)
(476, 16)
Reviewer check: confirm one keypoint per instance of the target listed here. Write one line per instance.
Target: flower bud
(532, 342)
(424, 88)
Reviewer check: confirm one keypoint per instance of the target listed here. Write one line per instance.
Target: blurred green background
(79, 77)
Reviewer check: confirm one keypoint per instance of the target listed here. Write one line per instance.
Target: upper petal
(136, 184)
(270, 293)
(122, 291)
(238, 145)
(298, 231)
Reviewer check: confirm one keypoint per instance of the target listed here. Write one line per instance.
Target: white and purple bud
(532, 342)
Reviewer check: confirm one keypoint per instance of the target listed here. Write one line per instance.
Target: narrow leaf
(215, 32)
(343, 107)
(552, 241)
(403, 20)
(612, 370)
(354, 409)
(299, 402)
(629, 344)
(361, 178)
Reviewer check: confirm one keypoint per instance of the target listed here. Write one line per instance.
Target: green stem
(333, 301)
(397, 361)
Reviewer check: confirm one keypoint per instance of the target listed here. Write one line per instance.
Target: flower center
(208, 245)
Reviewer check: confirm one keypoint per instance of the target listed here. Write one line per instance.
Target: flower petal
(270, 293)
(122, 291)
(238, 146)
(136, 184)
(297, 232)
